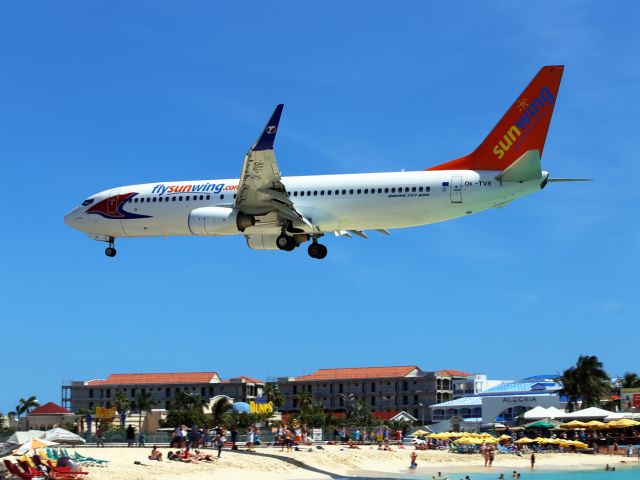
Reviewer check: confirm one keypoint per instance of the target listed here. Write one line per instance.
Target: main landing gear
(286, 243)
(110, 251)
(317, 250)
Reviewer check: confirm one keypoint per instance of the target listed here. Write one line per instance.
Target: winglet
(265, 142)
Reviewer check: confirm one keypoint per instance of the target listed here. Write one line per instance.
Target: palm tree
(630, 380)
(305, 400)
(25, 406)
(122, 404)
(586, 380)
(273, 394)
(219, 410)
(143, 403)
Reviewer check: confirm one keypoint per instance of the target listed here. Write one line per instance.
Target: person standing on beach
(234, 437)
(250, 439)
(130, 435)
(533, 460)
(414, 458)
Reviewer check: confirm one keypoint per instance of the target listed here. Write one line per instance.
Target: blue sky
(100, 94)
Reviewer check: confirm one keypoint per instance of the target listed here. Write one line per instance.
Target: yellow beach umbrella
(524, 440)
(623, 423)
(595, 424)
(504, 437)
(574, 424)
(489, 440)
(420, 432)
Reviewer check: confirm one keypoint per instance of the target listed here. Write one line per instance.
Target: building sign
(260, 405)
(636, 400)
(527, 399)
(105, 413)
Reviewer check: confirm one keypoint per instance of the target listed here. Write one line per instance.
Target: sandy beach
(270, 463)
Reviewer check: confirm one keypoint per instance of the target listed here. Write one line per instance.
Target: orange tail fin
(524, 127)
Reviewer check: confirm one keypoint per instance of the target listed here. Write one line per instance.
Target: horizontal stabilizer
(526, 167)
(570, 180)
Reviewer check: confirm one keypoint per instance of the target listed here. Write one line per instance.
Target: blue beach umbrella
(241, 407)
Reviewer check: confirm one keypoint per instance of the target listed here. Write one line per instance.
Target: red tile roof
(353, 373)
(453, 373)
(156, 378)
(243, 380)
(49, 409)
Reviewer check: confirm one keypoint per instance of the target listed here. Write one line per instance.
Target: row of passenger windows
(361, 191)
(180, 198)
(308, 193)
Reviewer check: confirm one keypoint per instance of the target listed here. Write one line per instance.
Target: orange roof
(156, 378)
(453, 373)
(48, 409)
(243, 380)
(365, 372)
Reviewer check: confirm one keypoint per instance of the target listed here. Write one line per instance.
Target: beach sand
(270, 463)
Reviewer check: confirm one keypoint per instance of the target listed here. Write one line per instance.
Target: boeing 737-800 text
(274, 212)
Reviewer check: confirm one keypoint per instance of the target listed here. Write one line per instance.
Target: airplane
(281, 213)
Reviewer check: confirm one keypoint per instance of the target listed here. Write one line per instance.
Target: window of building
(337, 192)
(295, 389)
(341, 402)
(373, 387)
(415, 399)
(295, 403)
(167, 392)
(133, 393)
(373, 401)
(108, 404)
(331, 388)
(328, 192)
(405, 399)
(202, 392)
(211, 391)
(167, 404)
(108, 392)
(91, 393)
(90, 405)
(340, 388)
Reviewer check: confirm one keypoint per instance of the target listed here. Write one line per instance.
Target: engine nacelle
(244, 221)
(262, 242)
(213, 221)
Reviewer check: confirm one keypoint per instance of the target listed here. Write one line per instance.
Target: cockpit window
(87, 202)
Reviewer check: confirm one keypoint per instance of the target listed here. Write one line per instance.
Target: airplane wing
(261, 190)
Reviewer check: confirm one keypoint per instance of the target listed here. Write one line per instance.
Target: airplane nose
(71, 218)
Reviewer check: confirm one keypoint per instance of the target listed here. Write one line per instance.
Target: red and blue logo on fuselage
(113, 208)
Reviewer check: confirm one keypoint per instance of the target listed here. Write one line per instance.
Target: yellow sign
(105, 413)
(266, 407)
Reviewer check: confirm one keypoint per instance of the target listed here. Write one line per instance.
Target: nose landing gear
(110, 251)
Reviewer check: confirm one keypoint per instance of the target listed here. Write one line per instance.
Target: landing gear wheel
(285, 242)
(110, 252)
(316, 250)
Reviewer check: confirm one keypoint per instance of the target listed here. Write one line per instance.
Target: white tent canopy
(539, 413)
(591, 412)
(17, 439)
(60, 435)
(536, 413)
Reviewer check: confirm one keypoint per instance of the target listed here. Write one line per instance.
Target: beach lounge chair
(82, 459)
(16, 471)
(66, 472)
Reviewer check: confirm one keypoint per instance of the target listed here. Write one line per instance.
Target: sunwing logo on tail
(531, 112)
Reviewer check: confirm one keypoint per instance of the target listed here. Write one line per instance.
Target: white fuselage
(332, 203)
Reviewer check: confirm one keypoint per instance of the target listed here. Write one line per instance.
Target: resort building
(384, 389)
(44, 417)
(502, 403)
(163, 388)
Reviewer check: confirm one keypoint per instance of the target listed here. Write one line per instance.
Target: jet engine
(213, 221)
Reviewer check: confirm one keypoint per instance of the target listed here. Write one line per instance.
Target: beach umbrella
(623, 423)
(595, 424)
(541, 424)
(524, 440)
(32, 444)
(574, 424)
(420, 432)
(504, 437)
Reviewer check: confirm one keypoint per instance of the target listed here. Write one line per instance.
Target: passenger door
(456, 189)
